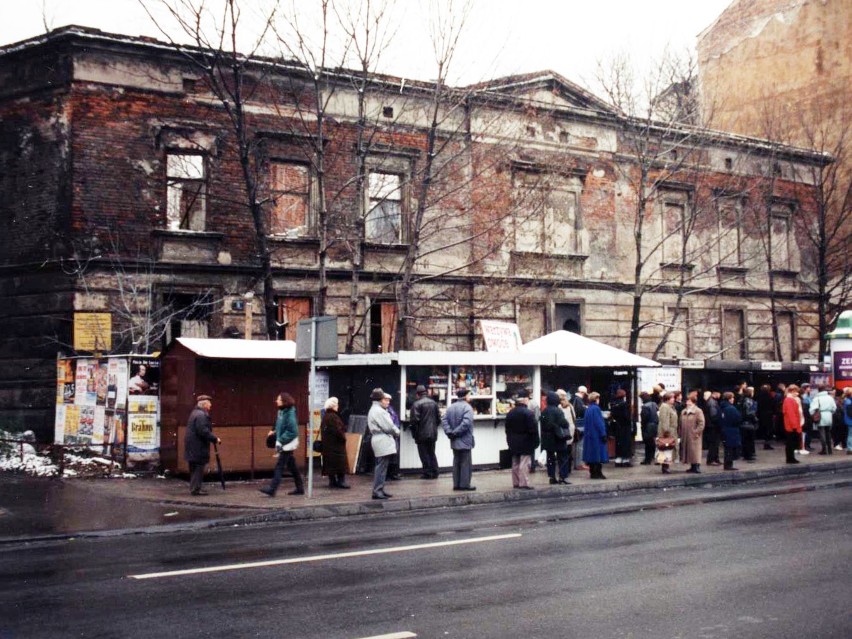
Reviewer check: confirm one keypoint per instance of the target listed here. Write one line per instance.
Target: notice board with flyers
(110, 405)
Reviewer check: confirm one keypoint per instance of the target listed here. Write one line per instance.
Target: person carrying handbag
(286, 441)
(555, 433)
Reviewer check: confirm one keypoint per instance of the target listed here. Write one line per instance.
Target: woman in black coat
(334, 461)
(555, 433)
(619, 412)
(522, 440)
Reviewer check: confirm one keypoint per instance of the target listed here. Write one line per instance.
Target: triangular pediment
(547, 87)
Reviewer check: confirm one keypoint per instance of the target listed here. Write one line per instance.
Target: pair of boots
(694, 468)
(596, 471)
(338, 481)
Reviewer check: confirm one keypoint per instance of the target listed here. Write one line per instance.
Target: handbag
(293, 444)
(271, 439)
(317, 446)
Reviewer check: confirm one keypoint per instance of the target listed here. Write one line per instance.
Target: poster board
(109, 404)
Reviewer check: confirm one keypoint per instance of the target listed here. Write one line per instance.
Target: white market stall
(493, 377)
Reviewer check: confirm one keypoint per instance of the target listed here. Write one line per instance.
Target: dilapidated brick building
(123, 193)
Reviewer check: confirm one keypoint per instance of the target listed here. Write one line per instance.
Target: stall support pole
(311, 400)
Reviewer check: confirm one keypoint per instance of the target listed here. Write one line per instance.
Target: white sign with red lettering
(501, 337)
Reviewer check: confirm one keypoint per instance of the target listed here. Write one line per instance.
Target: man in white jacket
(382, 433)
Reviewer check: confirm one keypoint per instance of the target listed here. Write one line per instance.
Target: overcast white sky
(502, 36)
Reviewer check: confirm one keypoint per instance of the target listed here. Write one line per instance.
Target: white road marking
(340, 555)
(393, 635)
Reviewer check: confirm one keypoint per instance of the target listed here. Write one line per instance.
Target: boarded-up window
(290, 311)
(382, 327)
(186, 191)
(730, 231)
(548, 216)
(734, 335)
(677, 345)
(531, 321)
(673, 221)
(384, 223)
(787, 336)
(781, 238)
(290, 191)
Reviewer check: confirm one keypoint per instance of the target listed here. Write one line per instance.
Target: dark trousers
(562, 458)
(650, 447)
(748, 443)
(428, 459)
(825, 440)
(380, 473)
(462, 468)
(196, 477)
(285, 461)
(713, 433)
(791, 444)
(731, 453)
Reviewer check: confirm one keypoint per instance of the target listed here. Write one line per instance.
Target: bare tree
(656, 150)
(827, 231)
(233, 78)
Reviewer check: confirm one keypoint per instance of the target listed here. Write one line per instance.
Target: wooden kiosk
(244, 377)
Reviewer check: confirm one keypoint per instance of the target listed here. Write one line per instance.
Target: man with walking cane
(196, 443)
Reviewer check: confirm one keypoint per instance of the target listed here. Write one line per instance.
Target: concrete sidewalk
(39, 508)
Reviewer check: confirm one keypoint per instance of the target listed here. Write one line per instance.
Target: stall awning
(572, 349)
(475, 358)
(239, 348)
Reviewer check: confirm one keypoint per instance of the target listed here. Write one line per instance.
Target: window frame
(309, 228)
(185, 221)
(372, 203)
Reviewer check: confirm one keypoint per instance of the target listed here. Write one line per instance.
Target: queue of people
(571, 431)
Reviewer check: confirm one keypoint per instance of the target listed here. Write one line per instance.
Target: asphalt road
(769, 567)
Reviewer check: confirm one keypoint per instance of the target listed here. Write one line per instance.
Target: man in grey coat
(382, 438)
(425, 417)
(458, 426)
(196, 443)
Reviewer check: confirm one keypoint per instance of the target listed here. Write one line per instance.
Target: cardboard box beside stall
(243, 377)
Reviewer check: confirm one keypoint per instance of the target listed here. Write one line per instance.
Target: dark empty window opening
(568, 318)
(189, 85)
(776, 169)
(387, 111)
(564, 136)
(530, 131)
(729, 164)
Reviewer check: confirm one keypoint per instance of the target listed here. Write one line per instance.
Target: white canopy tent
(240, 348)
(572, 349)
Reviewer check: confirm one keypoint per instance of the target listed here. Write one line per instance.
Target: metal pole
(311, 394)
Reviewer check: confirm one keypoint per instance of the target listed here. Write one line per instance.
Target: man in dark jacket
(425, 418)
(650, 421)
(196, 443)
(522, 439)
(555, 434)
(712, 417)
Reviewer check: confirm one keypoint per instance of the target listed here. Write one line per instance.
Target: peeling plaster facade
(87, 120)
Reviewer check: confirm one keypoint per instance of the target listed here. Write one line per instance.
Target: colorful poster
(842, 366)
(121, 385)
(112, 383)
(142, 434)
(87, 425)
(142, 404)
(72, 423)
(144, 376)
(99, 425)
(59, 425)
(101, 373)
(117, 432)
(81, 379)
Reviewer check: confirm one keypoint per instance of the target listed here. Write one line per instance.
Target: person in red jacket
(793, 421)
